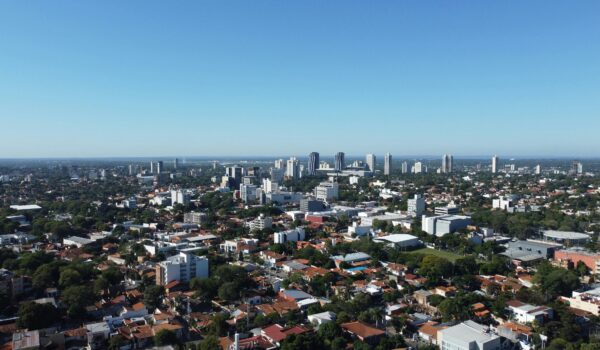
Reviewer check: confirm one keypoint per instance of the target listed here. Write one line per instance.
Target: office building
(416, 205)
(371, 161)
(468, 335)
(294, 235)
(313, 163)
(277, 174)
(494, 164)
(175, 163)
(327, 191)
(235, 173)
(309, 205)
(340, 162)
(450, 209)
(538, 169)
(248, 193)
(443, 224)
(181, 267)
(387, 164)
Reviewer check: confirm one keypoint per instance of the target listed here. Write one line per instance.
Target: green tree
(76, 298)
(153, 295)
(32, 315)
(69, 277)
(211, 342)
(165, 337)
(116, 342)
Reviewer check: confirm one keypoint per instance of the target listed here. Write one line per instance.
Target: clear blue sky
(182, 78)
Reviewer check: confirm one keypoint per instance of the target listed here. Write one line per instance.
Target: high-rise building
(538, 169)
(416, 205)
(159, 167)
(418, 168)
(387, 164)
(235, 173)
(277, 174)
(577, 168)
(494, 164)
(405, 167)
(371, 161)
(340, 162)
(279, 164)
(270, 186)
(313, 163)
(248, 193)
(292, 169)
(447, 160)
(175, 163)
(130, 169)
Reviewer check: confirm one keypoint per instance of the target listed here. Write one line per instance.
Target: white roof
(397, 238)
(25, 207)
(79, 240)
(325, 316)
(468, 332)
(565, 235)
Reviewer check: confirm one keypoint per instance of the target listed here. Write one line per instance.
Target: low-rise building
(468, 335)
(443, 224)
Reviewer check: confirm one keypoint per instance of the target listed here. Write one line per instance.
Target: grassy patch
(441, 253)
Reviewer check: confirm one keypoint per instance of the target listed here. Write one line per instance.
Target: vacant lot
(444, 254)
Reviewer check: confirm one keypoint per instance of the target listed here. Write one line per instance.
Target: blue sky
(184, 78)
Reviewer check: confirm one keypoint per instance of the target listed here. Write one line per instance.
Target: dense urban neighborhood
(300, 253)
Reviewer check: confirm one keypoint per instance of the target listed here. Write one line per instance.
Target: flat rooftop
(566, 235)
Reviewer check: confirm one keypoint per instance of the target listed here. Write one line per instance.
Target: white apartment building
(194, 218)
(180, 197)
(294, 235)
(270, 186)
(292, 169)
(327, 191)
(181, 267)
(416, 205)
(387, 164)
(371, 161)
(260, 223)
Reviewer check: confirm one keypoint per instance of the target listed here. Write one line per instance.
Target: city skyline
(104, 80)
